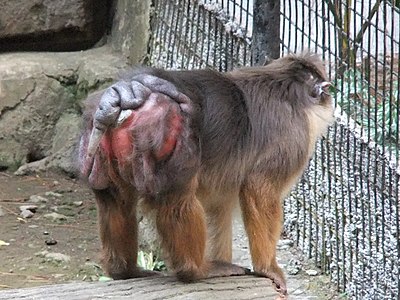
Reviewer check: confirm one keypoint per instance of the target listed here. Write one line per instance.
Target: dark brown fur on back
(252, 118)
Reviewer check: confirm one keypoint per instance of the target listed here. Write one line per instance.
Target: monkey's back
(254, 119)
(288, 110)
(263, 120)
(221, 123)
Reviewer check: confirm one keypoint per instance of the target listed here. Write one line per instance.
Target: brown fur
(248, 135)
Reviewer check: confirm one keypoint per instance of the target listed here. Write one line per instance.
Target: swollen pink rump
(117, 143)
(154, 129)
(170, 141)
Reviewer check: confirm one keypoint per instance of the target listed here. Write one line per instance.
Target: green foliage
(343, 14)
(375, 111)
(149, 261)
(343, 296)
(145, 260)
(350, 91)
(104, 278)
(10, 164)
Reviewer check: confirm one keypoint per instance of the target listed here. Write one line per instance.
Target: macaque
(193, 144)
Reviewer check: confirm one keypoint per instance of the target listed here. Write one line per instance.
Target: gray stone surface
(51, 24)
(131, 29)
(40, 101)
(301, 286)
(152, 288)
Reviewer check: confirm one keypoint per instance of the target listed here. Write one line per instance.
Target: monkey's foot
(137, 273)
(224, 269)
(277, 278)
(148, 273)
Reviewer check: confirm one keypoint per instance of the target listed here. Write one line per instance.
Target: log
(238, 287)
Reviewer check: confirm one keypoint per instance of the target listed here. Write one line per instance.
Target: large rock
(131, 29)
(40, 93)
(40, 103)
(52, 24)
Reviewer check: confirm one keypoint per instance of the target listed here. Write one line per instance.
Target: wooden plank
(152, 288)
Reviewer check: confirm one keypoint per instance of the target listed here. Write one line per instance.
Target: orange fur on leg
(118, 234)
(219, 207)
(181, 225)
(262, 216)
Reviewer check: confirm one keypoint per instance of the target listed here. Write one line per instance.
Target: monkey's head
(312, 70)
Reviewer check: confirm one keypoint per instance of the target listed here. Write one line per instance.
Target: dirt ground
(59, 242)
(30, 248)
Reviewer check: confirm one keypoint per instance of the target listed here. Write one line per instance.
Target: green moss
(6, 163)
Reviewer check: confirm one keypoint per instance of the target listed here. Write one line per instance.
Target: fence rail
(345, 212)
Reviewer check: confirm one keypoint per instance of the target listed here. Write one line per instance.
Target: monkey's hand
(118, 101)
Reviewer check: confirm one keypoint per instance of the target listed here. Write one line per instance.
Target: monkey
(192, 144)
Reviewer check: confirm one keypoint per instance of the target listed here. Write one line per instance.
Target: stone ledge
(240, 287)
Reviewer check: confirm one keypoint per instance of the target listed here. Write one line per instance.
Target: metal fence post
(266, 31)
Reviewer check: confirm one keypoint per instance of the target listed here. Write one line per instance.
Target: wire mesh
(200, 34)
(345, 211)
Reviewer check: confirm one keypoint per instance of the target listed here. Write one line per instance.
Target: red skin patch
(118, 143)
(171, 140)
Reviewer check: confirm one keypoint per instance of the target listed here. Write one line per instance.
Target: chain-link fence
(201, 34)
(345, 212)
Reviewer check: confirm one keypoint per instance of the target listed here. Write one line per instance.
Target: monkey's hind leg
(182, 227)
(219, 207)
(262, 215)
(118, 233)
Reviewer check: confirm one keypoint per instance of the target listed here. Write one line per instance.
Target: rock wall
(55, 25)
(40, 102)
(41, 93)
(130, 35)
